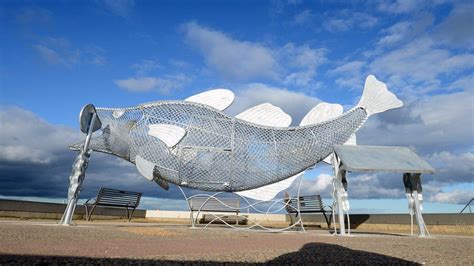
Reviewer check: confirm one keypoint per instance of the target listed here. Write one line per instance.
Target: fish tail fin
(376, 98)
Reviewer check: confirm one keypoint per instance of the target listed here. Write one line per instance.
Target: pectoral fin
(169, 134)
(266, 114)
(268, 192)
(218, 98)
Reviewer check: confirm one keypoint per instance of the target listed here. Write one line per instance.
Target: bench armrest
(87, 201)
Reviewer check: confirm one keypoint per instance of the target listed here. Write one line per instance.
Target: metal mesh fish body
(222, 153)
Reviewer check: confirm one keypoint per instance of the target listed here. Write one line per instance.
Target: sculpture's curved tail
(376, 98)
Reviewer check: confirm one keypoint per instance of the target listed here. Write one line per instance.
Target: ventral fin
(218, 98)
(147, 170)
(268, 192)
(322, 112)
(266, 114)
(169, 134)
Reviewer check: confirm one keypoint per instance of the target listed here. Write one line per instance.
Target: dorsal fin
(169, 134)
(322, 112)
(268, 192)
(266, 114)
(218, 98)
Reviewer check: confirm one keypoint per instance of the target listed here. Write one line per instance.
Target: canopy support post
(413, 190)
(340, 194)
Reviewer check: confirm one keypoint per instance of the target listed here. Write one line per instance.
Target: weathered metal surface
(381, 159)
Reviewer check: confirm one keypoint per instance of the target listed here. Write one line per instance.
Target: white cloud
(145, 67)
(453, 168)
(302, 56)
(235, 60)
(243, 61)
(303, 17)
(406, 6)
(465, 83)
(54, 57)
(302, 63)
(27, 138)
(456, 196)
(420, 61)
(457, 29)
(436, 123)
(179, 63)
(348, 19)
(349, 74)
(367, 186)
(94, 55)
(121, 8)
(138, 84)
(34, 15)
(164, 85)
(294, 103)
(59, 51)
(405, 30)
(322, 185)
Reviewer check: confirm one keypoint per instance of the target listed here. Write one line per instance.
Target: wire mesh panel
(219, 152)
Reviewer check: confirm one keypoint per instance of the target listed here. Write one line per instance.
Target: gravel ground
(26, 242)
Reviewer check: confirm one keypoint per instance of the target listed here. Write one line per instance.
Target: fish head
(114, 135)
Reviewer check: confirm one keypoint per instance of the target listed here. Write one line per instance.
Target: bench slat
(214, 205)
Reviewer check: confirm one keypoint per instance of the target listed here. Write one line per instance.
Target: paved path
(130, 243)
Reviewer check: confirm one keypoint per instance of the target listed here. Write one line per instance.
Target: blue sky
(57, 56)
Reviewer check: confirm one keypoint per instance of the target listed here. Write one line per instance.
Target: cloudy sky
(57, 56)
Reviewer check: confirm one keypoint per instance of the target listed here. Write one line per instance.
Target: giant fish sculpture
(193, 144)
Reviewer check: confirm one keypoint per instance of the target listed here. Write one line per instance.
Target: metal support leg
(77, 176)
(340, 193)
(413, 192)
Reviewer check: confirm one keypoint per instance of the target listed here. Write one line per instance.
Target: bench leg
(131, 214)
(328, 222)
(87, 212)
(88, 217)
(191, 217)
(291, 219)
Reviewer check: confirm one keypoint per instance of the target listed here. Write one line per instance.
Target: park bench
(208, 204)
(108, 197)
(307, 204)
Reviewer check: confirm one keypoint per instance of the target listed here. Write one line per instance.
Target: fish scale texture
(222, 153)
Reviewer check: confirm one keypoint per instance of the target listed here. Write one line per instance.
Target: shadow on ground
(312, 253)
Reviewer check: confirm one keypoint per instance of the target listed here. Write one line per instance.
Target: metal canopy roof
(381, 159)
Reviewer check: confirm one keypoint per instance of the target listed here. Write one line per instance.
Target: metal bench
(307, 204)
(114, 198)
(208, 204)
